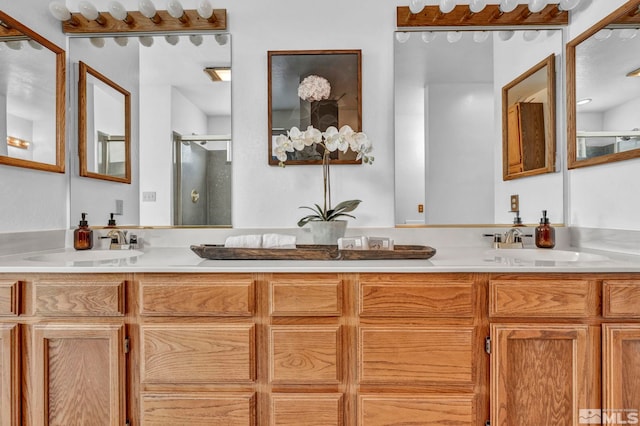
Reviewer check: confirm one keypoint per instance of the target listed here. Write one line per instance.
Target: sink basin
(542, 255)
(85, 255)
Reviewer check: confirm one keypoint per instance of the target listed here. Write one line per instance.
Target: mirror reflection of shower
(202, 180)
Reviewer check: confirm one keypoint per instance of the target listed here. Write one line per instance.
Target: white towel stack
(244, 241)
(261, 241)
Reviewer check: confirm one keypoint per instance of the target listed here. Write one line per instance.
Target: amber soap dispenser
(83, 235)
(545, 233)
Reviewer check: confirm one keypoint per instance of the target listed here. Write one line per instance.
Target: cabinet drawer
(9, 291)
(442, 299)
(543, 298)
(315, 409)
(305, 354)
(171, 298)
(409, 355)
(198, 409)
(100, 297)
(197, 353)
(383, 410)
(621, 299)
(305, 298)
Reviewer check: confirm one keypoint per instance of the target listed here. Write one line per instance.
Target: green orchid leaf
(347, 206)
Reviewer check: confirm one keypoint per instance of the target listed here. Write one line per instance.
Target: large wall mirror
(529, 122)
(32, 99)
(104, 115)
(603, 97)
(180, 86)
(448, 124)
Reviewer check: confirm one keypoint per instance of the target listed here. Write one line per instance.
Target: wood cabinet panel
(84, 297)
(307, 298)
(305, 354)
(426, 410)
(9, 374)
(408, 355)
(621, 299)
(197, 353)
(307, 410)
(442, 299)
(621, 368)
(9, 292)
(543, 298)
(198, 409)
(185, 298)
(78, 374)
(542, 374)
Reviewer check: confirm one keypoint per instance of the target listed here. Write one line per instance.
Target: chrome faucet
(510, 240)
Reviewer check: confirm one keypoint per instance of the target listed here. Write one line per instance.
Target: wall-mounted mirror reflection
(448, 122)
(32, 99)
(180, 85)
(603, 72)
(104, 114)
(528, 122)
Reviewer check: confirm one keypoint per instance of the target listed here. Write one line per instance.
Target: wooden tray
(310, 252)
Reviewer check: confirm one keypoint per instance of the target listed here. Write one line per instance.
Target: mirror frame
(84, 71)
(549, 126)
(59, 166)
(274, 161)
(572, 160)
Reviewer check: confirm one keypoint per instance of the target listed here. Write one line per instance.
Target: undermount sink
(546, 255)
(85, 255)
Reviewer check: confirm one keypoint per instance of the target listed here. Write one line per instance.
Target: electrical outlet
(149, 196)
(420, 208)
(515, 203)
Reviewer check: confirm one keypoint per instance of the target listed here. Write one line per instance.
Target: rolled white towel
(244, 241)
(278, 241)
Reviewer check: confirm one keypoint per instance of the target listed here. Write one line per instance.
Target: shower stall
(202, 180)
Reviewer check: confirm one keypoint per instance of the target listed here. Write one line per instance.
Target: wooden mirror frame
(59, 166)
(302, 53)
(625, 14)
(549, 121)
(84, 71)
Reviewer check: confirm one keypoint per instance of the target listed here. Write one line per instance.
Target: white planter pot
(327, 233)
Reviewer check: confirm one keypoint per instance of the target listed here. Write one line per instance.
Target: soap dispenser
(83, 235)
(112, 221)
(545, 233)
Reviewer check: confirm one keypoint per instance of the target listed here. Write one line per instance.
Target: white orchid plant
(329, 141)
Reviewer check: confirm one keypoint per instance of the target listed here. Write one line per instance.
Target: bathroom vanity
(331, 343)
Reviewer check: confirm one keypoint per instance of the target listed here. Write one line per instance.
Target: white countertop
(460, 259)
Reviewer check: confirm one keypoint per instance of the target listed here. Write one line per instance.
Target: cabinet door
(621, 371)
(543, 374)
(9, 379)
(78, 374)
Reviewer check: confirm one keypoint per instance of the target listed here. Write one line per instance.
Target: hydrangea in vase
(325, 216)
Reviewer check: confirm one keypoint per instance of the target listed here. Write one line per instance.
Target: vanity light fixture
(428, 36)
(583, 101)
(205, 10)
(402, 37)
(17, 142)
(176, 10)
(89, 11)
(446, 6)
(148, 9)
(568, 4)
(537, 6)
(416, 6)
(476, 6)
(218, 73)
(117, 10)
(61, 13)
(508, 6)
(634, 73)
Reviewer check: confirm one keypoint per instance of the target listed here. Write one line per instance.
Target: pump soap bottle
(83, 235)
(545, 233)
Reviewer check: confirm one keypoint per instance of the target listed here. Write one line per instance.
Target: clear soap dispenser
(545, 233)
(83, 235)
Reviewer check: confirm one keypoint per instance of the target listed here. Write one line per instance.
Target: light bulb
(476, 6)
(536, 6)
(90, 12)
(175, 10)
(402, 37)
(196, 39)
(416, 6)
(172, 39)
(447, 6)
(146, 41)
(221, 39)
(505, 35)
(530, 35)
(121, 41)
(34, 44)
(428, 36)
(117, 10)
(148, 10)
(480, 36)
(97, 42)
(14, 44)
(454, 36)
(568, 4)
(603, 34)
(61, 13)
(205, 10)
(507, 6)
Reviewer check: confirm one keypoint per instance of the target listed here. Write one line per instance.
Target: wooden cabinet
(621, 371)
(525, 137)
(9, 375)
